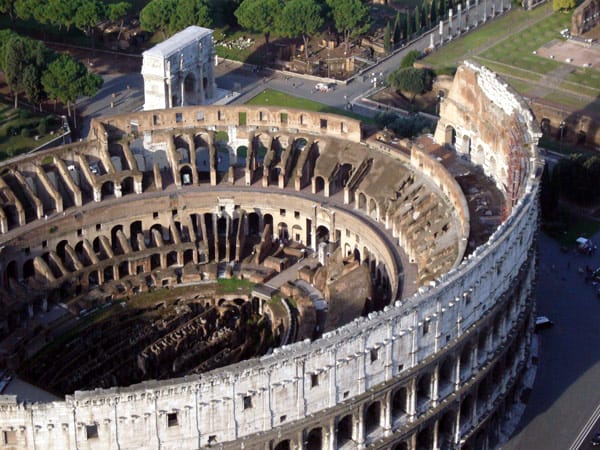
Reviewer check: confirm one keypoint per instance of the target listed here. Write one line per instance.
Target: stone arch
(155, 261)
(10, 272)
(425, 438)
(322, 234)
(423, 390)
(268, 220)
(314, 439)
(319, 184)
(108, 188)
(282, 231)
(253, 224)
(188, 256)
(545, 125)
(400, 446)
(372, 418)
(82, 254)
(466, 144)
(450, 135)
(114, 240)
(190, 90)
(466, 410)
(399, 403)
(446, 376)
(373, 209)
(446, 429)
(127, 186)
(344, 430)
(172, 258)
(123, 269)
(297, 233)
(283, 445)
(135, 229)
(465, 361)
(356, 253)
(241, 153)
(362, 202)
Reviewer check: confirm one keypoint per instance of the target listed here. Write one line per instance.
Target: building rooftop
(177, 41)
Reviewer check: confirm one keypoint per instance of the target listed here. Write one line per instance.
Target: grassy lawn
(234, 286)
(576, 227)
(271, 97)
(18, 129)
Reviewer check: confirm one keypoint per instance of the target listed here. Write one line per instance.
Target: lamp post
(562, 130)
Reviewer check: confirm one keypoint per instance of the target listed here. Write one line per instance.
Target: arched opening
(322, 234)
(373, 209)
(28, 269)
(108, 273)
(156, 235)
(424, 439)
(108, 188)
(188, 256)
(446, 377)
(189, 90)
(466, 144)
(283, 445)
(466, 410)
(297, 233)
(282, 231)
(82, 254)
(98, 249)
(172, 258)
(241, 153)
(127, 186)
(114, 240)
(362, 202)
(60, 249)
(401, 446)
(253, 224)
(186, 175)
(93, 280)
(545, 126)
(399, 404)
(344, 430)
(319, 184)
(372, 419)
(450, 136)
(446, 429)
(268, 220)
(135, 229)
(356, 254)
(10, 272)
(314, 440)
(203, 162)
(155, 261)
(465, 362)
(123, 269)
(423, 391)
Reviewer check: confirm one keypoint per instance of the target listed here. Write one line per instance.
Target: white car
(322, 87)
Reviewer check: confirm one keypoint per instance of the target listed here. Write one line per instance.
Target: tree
(433, 12)
(549, 194)
(116, 12)
(410, 58)
(397, 30)
(417, 20)
(442, 10)
(300, 18)
(408, 25)
(7, 7)
(563, 5)
(27, 9)
(67, 79)
(19, 53)
(156, 15)
(88, 15)
(61, 12)
(190, 12)
(387, 38)
(259, 16)
(350, 17)
(411, 80)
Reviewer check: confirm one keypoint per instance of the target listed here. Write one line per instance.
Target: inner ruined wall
(484, 120)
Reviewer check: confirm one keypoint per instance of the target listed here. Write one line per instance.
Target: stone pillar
(441, 31)
(435, 382)
(332, 433)
(97, 194)
(169, 94)
(411, 398)
(457, 374)
(182, 90)
(227, 240)
(459, 18)
(450, 14)
(431, 43)
(387, 413)
(436, 435)
(300, 441)
(485, 12)
(359, 427)
(216, 236)
(467, 10)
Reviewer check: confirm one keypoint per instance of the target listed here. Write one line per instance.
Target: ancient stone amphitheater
(155, 196)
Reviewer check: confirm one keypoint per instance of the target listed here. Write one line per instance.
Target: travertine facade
(180, 70)
(437, 368)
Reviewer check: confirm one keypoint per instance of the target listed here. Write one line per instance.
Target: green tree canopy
(578, 177)
(116, 13)
(171, 16)
(259, 15)
(67, 79)
(18, 54)
(411, 80)
(156, 15)
(351, 18)
(387, 38)
(300, 18)
(410, 58)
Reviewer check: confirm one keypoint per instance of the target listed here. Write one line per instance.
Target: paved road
(566, 391)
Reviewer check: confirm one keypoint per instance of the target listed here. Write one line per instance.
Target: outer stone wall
(438, 369)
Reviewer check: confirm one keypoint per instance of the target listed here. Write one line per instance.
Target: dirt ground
(578, 53)
(103, 62)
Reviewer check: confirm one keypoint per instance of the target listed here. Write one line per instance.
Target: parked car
(542, 322)
(322, 87)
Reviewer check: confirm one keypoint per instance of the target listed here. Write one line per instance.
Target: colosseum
(380, 290)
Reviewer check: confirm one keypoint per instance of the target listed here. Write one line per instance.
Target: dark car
(596, 439)
(542, 322)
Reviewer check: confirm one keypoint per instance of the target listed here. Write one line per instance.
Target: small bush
(410, 58)
(27, 132)
(450, 71)
(42, 127)
(24, 114)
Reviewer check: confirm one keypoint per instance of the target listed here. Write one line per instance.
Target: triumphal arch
(180, 70)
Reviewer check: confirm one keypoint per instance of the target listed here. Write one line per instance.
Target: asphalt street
(566, 391)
